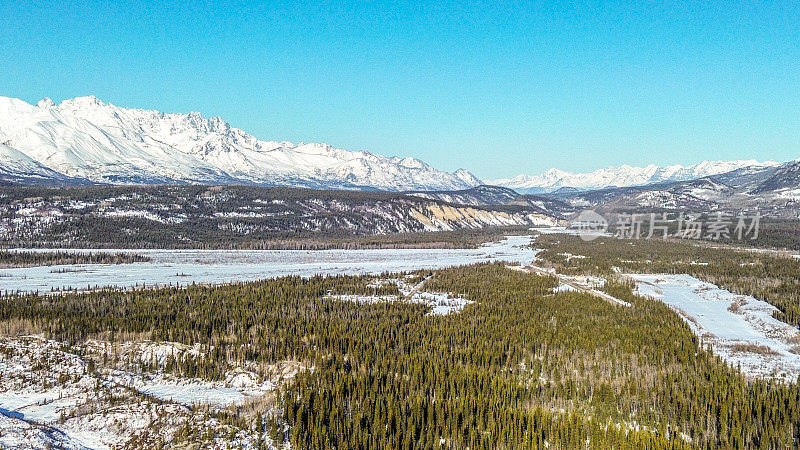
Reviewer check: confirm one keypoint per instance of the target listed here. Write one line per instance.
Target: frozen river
(224, 266)
(740, 328)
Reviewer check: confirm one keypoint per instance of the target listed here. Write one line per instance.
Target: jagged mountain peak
(88, 100)
(88, 138)
(46, 103)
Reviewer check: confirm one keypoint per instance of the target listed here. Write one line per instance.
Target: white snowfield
(236, 389)
(226, 266)
(740, 328)
(88, 139)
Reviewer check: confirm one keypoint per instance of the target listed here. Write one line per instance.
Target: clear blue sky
(498, 88)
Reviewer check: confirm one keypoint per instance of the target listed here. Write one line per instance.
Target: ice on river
(224, 266)
(740, 328)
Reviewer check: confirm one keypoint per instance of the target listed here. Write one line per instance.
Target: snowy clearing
(740, 328)
(441, 303)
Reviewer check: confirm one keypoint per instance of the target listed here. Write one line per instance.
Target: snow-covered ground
(239, 385)
(51, 396)
(224, 266)
(186, 392)
(555, 230)
(441, 303)
(16, 433)
(740, 328)
(564, 288)
(569, 231)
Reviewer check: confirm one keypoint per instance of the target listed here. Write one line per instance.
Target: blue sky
(498, 88)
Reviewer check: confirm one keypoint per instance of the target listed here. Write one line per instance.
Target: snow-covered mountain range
(623, 176)
(85, 139)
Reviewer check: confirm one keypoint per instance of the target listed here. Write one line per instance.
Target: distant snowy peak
(624, 176)
(467, 177)
(89, 139)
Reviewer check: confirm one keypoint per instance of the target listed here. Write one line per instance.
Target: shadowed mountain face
(783, 179)
(18, 168)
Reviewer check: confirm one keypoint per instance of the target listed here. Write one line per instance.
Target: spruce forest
(521, 367)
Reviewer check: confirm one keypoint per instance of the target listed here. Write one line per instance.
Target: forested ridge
(244, 217)
(519, 368)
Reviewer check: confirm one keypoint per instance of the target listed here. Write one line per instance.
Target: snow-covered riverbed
(224, 266)
(740, 328)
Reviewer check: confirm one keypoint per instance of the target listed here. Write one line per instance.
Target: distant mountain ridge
(86, 139)
(774, 191)
(623, 176)
(197, 216)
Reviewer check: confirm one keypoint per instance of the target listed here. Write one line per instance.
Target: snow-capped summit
(45, 103)
(467, 177)
(89, 139)
(623, 176)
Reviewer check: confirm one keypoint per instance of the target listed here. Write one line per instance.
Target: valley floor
(182, 267)
(516, 349)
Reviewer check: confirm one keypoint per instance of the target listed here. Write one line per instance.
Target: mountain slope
(16, 167)
(623, 176)
(230, 216)
(786, 177)
(478, 196)
(485, 195)
(86, 138)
